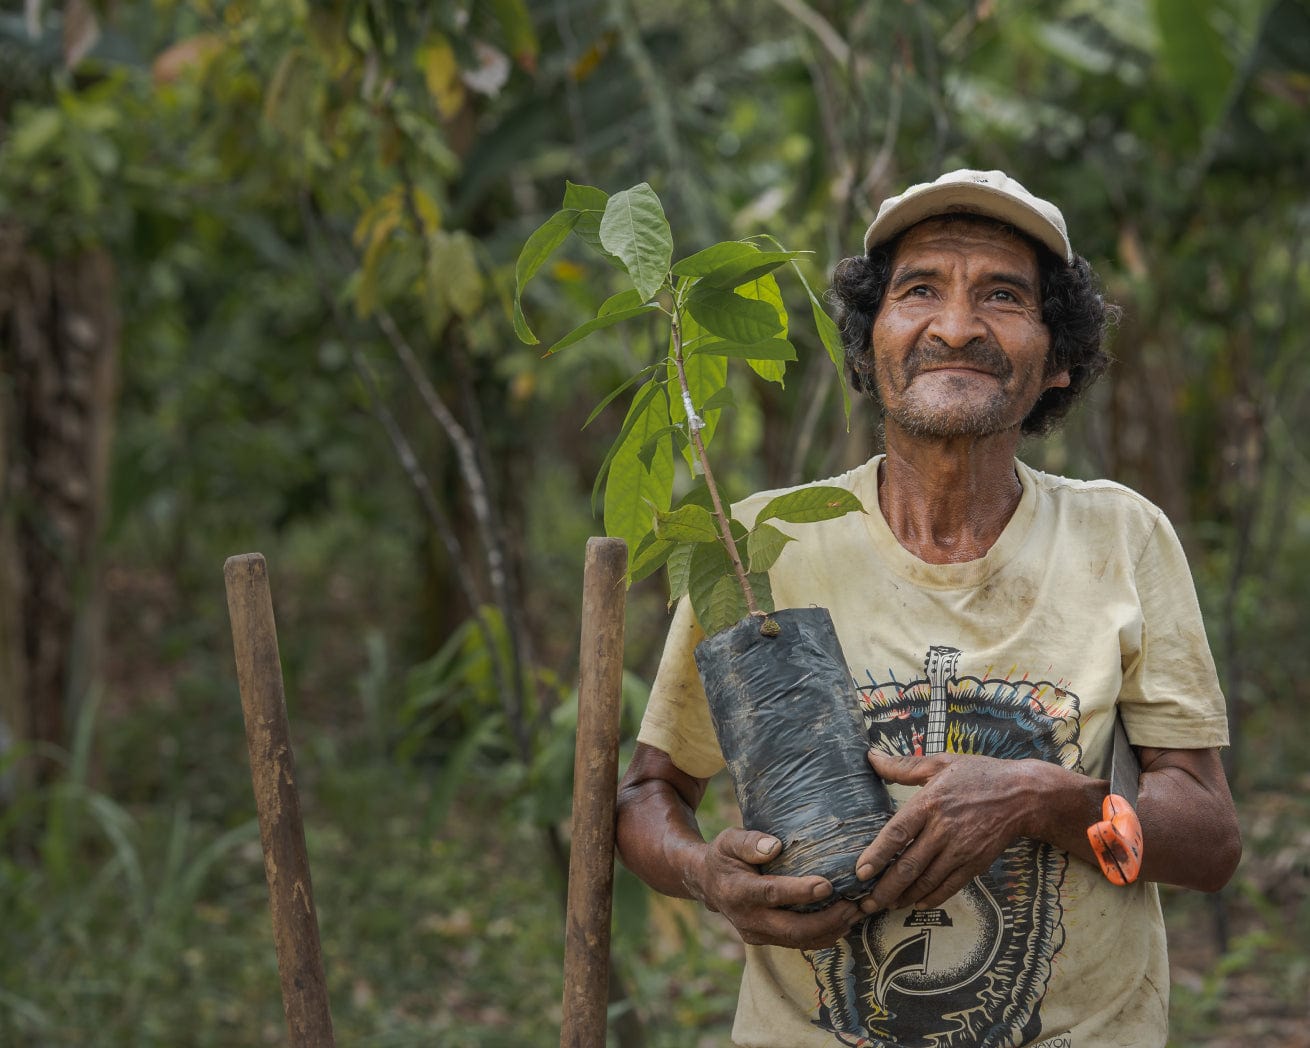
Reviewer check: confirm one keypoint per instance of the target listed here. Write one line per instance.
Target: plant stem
(694, 425)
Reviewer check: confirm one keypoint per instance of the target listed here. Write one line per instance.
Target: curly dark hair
(1073, 310)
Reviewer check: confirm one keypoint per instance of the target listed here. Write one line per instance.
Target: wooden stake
(595, 779)
(281, 829)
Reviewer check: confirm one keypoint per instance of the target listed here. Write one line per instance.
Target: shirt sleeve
(677, 718)
(1170, 696)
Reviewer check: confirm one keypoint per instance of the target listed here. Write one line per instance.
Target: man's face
(959, 347)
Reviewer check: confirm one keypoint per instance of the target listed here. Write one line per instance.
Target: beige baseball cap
(991, 193)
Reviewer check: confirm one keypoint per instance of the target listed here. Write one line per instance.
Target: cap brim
(967, 198)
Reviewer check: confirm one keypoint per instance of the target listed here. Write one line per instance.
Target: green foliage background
(314, 211)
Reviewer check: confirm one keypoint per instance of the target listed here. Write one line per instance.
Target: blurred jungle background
(256, 267)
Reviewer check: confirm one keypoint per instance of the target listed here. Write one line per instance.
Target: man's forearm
(659, 839)
(1189, 827)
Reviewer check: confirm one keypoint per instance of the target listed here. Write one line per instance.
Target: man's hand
(730, 884)
(971, 808)
(660, 841)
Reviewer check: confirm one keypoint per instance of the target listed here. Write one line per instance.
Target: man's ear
(1058, 380)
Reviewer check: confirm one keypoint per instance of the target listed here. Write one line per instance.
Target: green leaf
(830, 336)
(706, 375)
(713, 259)
(612, 394)
(731, 316)
(648, 449)
(679, 571)
(635, 230)
(649, 557)
(590, 203)
(765, 290)
(770, 349)
(598, 324)
(632, 488)
(629, 299)
(722, 399)
(742, 271)
(1192, 52)
(764, 545)
(718, 606)
(724, 605)
(810, 504)
(635, 411)
(686, 524)
(536, 249)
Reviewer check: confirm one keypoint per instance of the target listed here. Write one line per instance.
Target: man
(1026, 609)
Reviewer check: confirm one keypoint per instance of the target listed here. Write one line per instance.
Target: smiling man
(998, 622)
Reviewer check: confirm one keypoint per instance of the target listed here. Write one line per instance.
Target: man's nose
(957, 322)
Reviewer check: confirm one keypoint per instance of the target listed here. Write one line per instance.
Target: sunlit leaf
(590, 203)
(632, 488)
(741, 271)
(635, 230)
(706, 376)
(629, 299)
(441, 75)
(764, 545)
(809, 504)
(715, 258)
(765, 291)
(636, 411)
(649, 557)
(616, 392)
(686, 524)
(732, 316)
(597, 324)
(770, 349)
(538, 247)
(679, 563)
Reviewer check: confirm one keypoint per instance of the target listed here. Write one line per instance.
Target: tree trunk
(59, 338)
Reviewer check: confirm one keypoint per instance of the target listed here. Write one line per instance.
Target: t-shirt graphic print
(971, 973)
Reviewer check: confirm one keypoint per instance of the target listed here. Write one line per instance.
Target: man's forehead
(973, 234)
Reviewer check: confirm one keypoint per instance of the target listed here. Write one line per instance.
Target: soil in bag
(788, 721)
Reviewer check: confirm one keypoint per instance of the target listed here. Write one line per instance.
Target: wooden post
(281, 829)
(595, 778)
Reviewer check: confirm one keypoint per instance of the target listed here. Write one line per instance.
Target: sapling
(719, 304)
(779, 691)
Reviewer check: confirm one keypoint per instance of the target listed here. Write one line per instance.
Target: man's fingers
(892, 839)
(776, 892)
(896, 881)
(954, 883)
(807, 931)
(905, 771)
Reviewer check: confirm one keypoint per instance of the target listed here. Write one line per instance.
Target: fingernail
(767, 844)
(821, 891)
(864, 872)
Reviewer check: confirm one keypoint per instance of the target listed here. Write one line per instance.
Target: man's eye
(920, 290)
(1005, 295)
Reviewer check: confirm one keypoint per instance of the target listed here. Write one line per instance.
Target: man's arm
(660, 841)
(971, 808)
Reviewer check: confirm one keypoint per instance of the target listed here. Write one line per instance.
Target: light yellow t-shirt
(1084, 603)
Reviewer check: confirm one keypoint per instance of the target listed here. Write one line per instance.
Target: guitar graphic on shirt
(950, 947)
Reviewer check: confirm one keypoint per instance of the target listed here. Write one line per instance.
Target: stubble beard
(967, 415)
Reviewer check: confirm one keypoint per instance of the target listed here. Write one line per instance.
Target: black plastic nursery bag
(788, 721)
